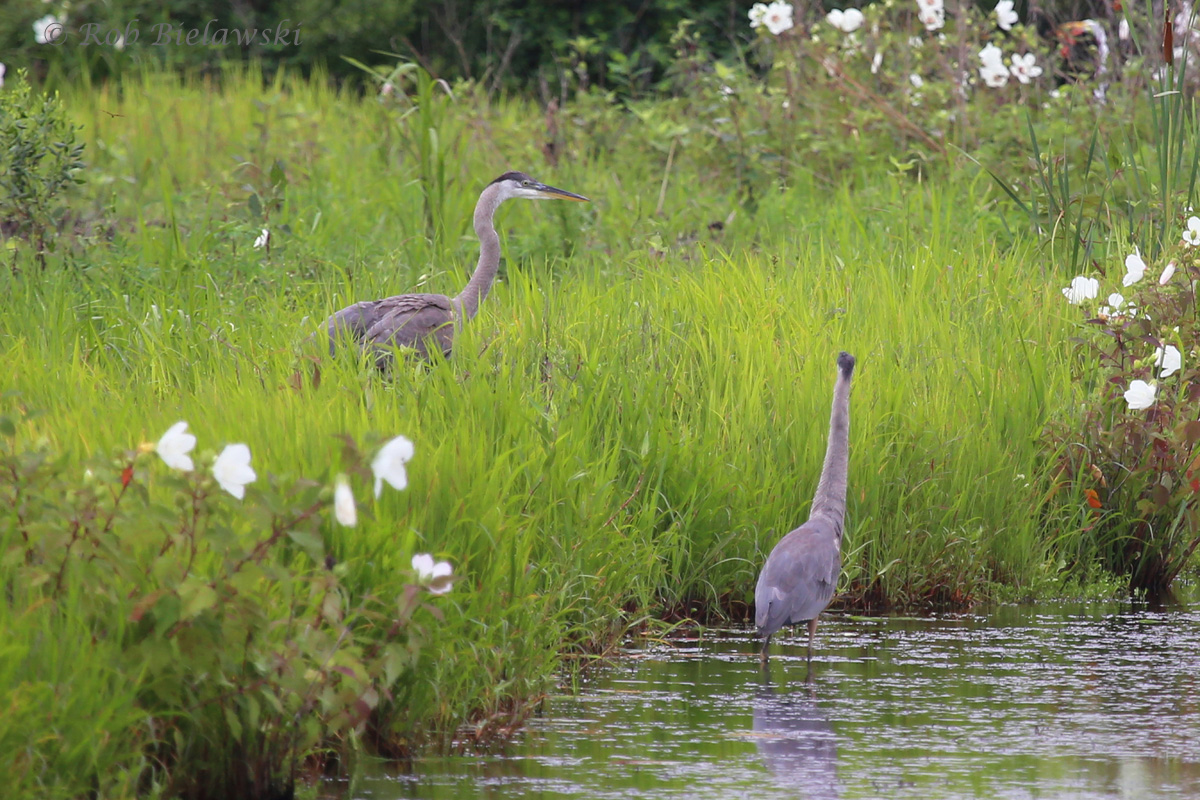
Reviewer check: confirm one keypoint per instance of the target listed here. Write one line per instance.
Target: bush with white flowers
(237, 614)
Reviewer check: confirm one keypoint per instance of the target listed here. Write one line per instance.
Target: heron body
(428, 322)
(801, 573)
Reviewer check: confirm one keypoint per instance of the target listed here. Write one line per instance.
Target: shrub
(38, 159)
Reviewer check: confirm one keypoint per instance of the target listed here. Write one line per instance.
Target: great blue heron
(421, 320)
(798, 580)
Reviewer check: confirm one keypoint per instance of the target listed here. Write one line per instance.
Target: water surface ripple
(1072, 702)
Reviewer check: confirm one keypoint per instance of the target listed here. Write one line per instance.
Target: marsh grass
(637, 414)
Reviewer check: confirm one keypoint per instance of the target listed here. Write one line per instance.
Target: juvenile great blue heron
(420, 321)
(798, 580)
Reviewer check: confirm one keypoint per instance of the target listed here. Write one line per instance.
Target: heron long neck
(830, 500)
(489, 252)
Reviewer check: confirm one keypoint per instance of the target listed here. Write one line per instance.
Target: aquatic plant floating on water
(388, 464)
(233, 471)
(174, 446)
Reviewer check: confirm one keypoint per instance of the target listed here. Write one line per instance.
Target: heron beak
(554, 193)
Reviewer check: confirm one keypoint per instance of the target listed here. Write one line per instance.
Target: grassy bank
(635, 417)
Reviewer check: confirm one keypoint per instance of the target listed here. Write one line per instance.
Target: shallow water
(1041, 702)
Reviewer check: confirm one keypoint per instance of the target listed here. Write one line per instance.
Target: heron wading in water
(797, 582)
(429, 321)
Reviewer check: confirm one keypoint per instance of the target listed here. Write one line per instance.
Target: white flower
(120, 43)
(1023, 68)
(991, 56)
(343, 503)
(995, 77)
(434, 574)
(932, 18)
(1123, 30)
(1170, 360)
(876, 61)
(174, 447)
(915, 41)
(1167, 272)
(1006, 17)
(916, 80)
(48, 29)
(232, 469)
(1081, 288)
(389, 464)
(758, 13)
(846, 21)
(262, 239)
(778, 17)
(1116, 300)
(1140, 395)
(1135, 268)
(1192, 234)
(3, 69)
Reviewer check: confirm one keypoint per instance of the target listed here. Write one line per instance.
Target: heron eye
(527, 183)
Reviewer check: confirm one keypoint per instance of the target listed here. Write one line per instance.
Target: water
(1072, 702)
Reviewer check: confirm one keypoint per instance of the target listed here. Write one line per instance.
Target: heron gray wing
(411, 320)
(800, 575)
(404, 320)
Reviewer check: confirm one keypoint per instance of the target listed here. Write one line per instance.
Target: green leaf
(197, 597)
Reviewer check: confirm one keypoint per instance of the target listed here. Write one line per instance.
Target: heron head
(518, 184)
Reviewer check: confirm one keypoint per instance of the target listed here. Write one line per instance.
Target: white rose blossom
(1023, 67)
(846, 21)
(1169, 360)
(1135, 268)
(1006, 15)
(388, 464)
(174, 447)
(232, 469)
(1192, 235)
(1140, 395)
(436, 575)
(1081, 288)
(343, 503)
(758, 13)
(778, 18)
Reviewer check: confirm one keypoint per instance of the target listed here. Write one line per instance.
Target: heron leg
(763, 655)
(812, 632)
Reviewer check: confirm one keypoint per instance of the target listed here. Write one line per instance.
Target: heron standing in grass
(425, 321)
(797, 582)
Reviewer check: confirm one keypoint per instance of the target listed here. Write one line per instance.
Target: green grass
(637, 414)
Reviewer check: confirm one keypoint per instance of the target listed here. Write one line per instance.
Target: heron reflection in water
(796, 740)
